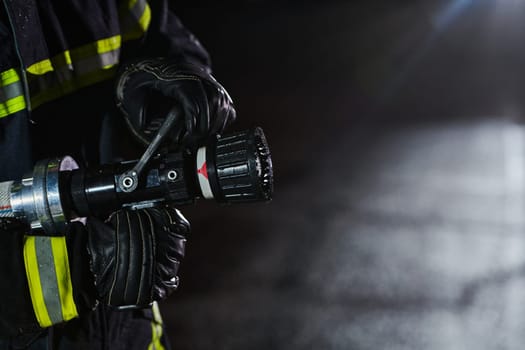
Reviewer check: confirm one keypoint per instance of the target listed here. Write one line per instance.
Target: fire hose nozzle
(235, 168)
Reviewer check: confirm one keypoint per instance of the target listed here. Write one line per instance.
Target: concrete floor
(398, 147)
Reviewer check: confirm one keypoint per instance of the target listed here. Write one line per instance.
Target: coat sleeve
(31, 268)
(16, 310)
(168, 37)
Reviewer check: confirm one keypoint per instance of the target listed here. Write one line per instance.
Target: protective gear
(48, 283)
(48, 274)
(98, 326)
(147, 89)
(54, 61)
(135, 255)
(16, 310)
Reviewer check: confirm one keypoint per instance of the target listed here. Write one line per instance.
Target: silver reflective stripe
(88, 65)
(48, 278)
(10, 91)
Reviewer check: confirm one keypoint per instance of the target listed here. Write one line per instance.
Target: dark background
(397, 140)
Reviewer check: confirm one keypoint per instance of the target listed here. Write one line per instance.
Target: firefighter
(86, 78)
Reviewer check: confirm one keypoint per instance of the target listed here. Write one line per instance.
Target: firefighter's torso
(51, 48)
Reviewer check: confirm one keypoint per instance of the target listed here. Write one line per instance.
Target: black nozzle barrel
(238, 168)
(235, 168)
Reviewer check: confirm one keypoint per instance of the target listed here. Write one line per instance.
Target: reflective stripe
(42, 67)
(9, 76)
(156, 329)
(48, 276)
(76, 59)
(12, 106)
(145, 18)
(11, 93)
(109, 44)
(95, 48)
(71, 70)
(135, 19)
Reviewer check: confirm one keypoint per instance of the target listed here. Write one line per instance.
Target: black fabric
(15, 146)
(8, 57)
(104, 328)
(25, 21)
(168, 37)
(107, 329)
(72, 125)
(83, 283)
(16, 311)
(77, 22)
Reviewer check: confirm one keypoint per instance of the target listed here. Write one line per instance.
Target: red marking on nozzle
(203, 170)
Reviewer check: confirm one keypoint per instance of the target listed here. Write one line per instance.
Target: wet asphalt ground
(398, 147)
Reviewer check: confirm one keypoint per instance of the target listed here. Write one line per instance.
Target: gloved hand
(146, 90)
(135, 255)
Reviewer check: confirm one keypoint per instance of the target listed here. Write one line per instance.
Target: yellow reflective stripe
(145, 19)
(12, 105)
(73, 69)
(156, 329)
(8, 77)
(47, 65)
(35, 286)
(156, 334)
(108, 44)
(65, 287)
(63, 59)
(12, 98)
(41, 67)
(47, 270)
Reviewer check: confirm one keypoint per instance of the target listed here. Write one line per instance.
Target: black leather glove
(135, 255)
(146, 90)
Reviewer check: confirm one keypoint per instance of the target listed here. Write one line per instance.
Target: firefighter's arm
(130, 260)
(16, 309)
(46, 280)
(168, 37)
(172, 69)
